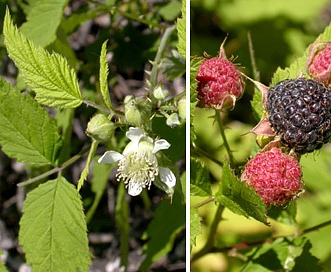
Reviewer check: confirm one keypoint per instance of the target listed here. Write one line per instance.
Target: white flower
(138, 165)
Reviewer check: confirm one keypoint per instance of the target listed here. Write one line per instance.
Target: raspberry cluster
(319, 62)
(275, 176)
(219, 83)
(299, 112)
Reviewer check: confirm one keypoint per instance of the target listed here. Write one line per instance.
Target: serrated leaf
(168, 220)
(53, 228)
(237, 197)
(199, 179)
(27, 132)
(195, 227)
(103, 75)
(43, 32)
(195, 63)
(122, 223)
(181, 31)
(49, 75)
(174, 65)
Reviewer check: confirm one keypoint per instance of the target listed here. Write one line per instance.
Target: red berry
(275, 176)
(319, 62)
(220, 84)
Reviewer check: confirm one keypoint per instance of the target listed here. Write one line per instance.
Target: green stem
(211, 236)
(54, 170)
(100, 108)
(225, 141)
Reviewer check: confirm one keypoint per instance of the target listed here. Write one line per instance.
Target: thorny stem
(211, 236)
(225, 141)
(98, 107)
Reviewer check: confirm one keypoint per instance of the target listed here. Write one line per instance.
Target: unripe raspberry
(220, 84)
(275, 176)
(319, 62)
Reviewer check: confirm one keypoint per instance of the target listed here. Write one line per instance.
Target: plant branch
(55, 170)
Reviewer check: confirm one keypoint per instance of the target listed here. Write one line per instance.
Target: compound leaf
(28, 134)
(49, 75)
(53, 228)
(43, 32)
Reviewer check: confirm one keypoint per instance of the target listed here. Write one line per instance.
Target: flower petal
(135, 134)
(110, 157)
(160, 145)
(167, 176)
(134, 189)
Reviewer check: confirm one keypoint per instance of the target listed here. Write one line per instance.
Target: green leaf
(53, 228)
(257, 105)
(27, 132)
(168, 221)
(43, 32)
(174, 65)
(194, 68)
(284, 215)
(104, 75)
(181, 30)
(195, 227)
(283, 255)
(237, 197)
(122, 223)
(49, 75)
(199, 179)
(86, 169)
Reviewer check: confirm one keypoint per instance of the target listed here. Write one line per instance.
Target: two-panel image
(165, 135)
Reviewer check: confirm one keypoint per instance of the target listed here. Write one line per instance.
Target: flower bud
(100, 128)
(160, 93)
(137, 111)
(173, 120)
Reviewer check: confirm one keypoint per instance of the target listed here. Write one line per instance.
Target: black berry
(299, 112)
